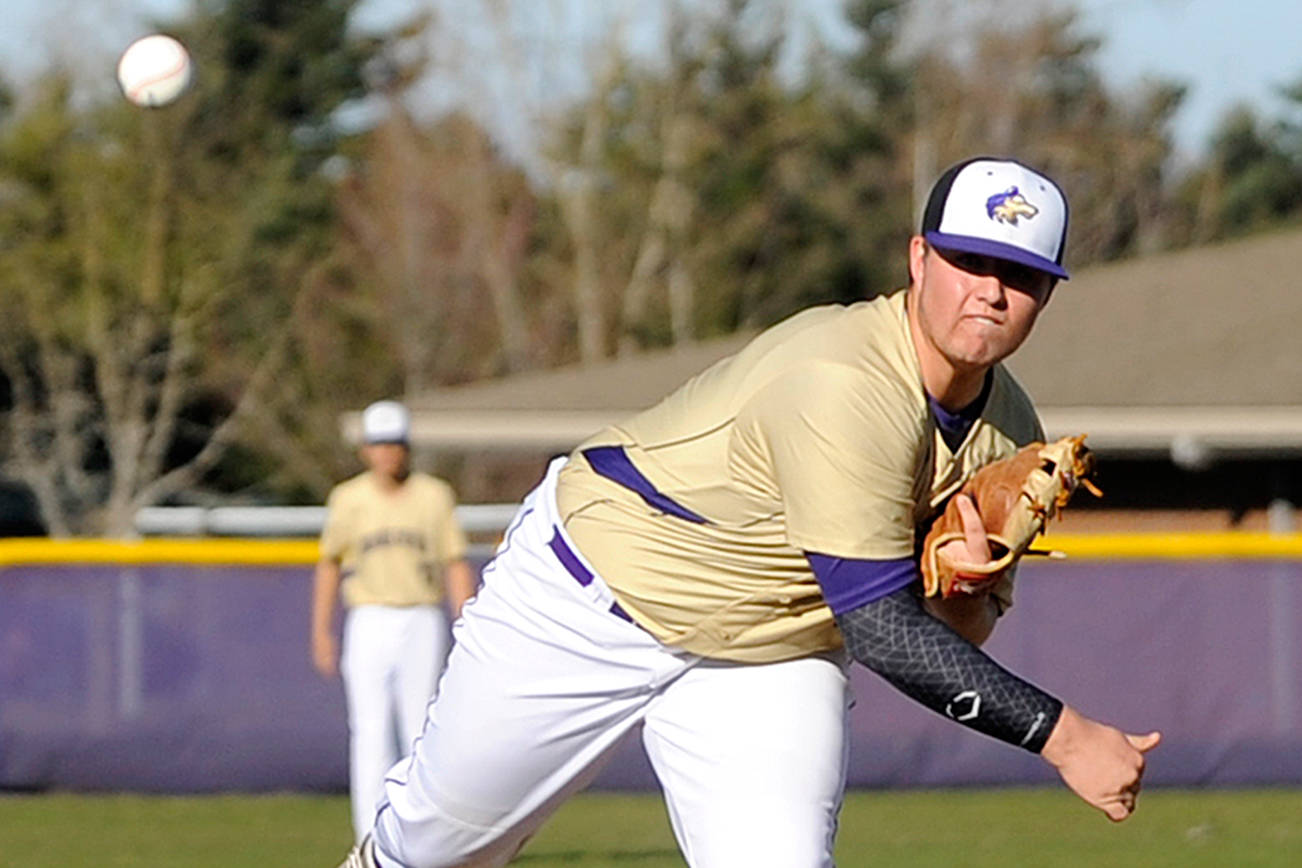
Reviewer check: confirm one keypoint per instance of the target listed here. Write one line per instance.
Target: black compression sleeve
(920, 655)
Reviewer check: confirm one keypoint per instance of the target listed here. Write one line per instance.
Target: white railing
(286, 521)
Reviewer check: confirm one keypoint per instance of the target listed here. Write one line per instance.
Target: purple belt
(581, 574)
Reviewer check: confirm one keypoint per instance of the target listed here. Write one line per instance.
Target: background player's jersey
(392, 545)
(816, 437)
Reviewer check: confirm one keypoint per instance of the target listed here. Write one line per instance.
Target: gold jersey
(392, 545)
(816, 437)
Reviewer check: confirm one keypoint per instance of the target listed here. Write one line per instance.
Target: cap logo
(1009, 206)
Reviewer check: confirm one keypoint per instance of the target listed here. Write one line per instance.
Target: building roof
(1214, 326)
(1180, 352)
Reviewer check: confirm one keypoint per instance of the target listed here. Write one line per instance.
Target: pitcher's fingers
(974, 530)
(1143, 743)
(1116, 811)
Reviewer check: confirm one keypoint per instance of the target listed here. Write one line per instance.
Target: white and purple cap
(385, 422)
(999, 208)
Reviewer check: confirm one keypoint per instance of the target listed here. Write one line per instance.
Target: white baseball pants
(390, 662)
(544, 680)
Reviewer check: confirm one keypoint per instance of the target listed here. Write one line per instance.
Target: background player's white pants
(390, 662)
(544, 680)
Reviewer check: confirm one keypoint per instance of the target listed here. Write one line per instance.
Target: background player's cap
(999, 208)
(386, 422)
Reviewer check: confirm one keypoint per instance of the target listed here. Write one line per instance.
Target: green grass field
(954, 829)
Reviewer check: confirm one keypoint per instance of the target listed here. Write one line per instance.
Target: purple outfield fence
(197, 678)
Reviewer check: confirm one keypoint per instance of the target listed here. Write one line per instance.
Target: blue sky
(1227, 51)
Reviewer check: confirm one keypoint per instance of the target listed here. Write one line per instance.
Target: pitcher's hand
(1101, 764)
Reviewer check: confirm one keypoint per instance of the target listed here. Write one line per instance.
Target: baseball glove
(1015, 497)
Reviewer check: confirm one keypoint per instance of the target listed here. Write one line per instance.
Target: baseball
(154, 70)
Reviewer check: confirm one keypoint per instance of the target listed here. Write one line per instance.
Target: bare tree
(609, 276)
(114, 307)
(440, 225)
(1024, 83)
(664, 243)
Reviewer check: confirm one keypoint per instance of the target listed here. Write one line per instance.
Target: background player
(702, 569)
(393, 543)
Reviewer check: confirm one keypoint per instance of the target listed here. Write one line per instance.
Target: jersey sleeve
(848, 583)
(335, 536)
(448, 534)
(844, 453)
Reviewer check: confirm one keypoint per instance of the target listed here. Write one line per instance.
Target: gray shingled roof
(1210, 326)
(1191, 347)
(629, 383)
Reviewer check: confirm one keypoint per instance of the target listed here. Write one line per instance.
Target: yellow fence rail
(291, 552)
(235, 552)
(1221, 545)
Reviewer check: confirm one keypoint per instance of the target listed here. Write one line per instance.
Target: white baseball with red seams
(154, 71)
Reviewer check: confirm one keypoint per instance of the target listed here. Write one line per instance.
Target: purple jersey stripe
(849, 583)
(614, 464)
(572, 564)
(581, 574)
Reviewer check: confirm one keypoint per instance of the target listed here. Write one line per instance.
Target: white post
(1283, 597)
(131, 644)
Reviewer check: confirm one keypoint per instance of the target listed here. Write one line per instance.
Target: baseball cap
(385, 422)
(1001, 208)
